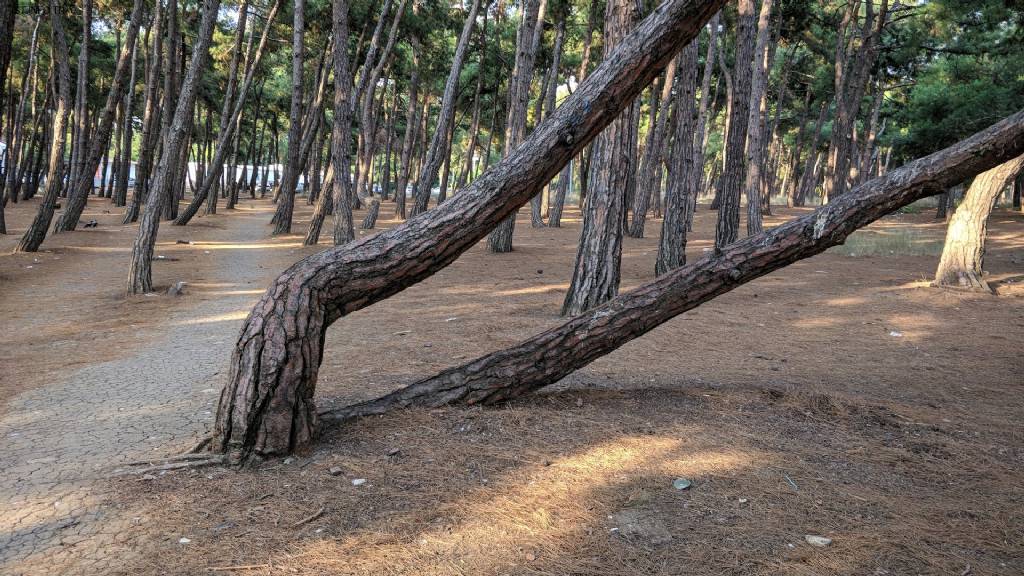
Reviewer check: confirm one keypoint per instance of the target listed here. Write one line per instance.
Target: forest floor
(839, 397)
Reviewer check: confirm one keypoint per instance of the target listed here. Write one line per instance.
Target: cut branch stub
(267, 407)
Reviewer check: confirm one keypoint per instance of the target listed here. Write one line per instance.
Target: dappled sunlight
(536, 515)
(246, 245)
(539, 289)
(226, 317)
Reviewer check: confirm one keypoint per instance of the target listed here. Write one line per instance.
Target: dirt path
(61, 438)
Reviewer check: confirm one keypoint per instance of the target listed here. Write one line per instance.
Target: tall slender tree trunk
(90, 156)
(595, 277)
(733, 176)
(341, 130)
(36, 232)
(8, 10)
(759, 69)
(140, 278)
(439, 144)
(500, 239)
(81, 133)
(682, 163)
(963, 255)
(652, 166)
(409, 140)
(150, 118)
(286, 204)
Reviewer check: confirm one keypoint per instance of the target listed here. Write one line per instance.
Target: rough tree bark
(80, 132)
(672, 244)
(140, 278)
(759, 70)
(36, 232)
(595, 277)
(439, 146)
(653, 153)
(341, 145)
(8, 10)
(286, 203)
(90, 158)
(963, 255)
(267, 405)
(409, 140)
(556, 353)
(500, 240)
(728, 226)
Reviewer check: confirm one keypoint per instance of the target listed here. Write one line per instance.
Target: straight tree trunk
(439, 144)
(550, 356)
(8, 10)
(409, 140)
(733, 176)
(81, 134)
(963, 255)
(228, 130)
(267, 406)
(341, 130)
(500, 240)
(759, 70)
(595, 277)
(285, 206)
(652, 166)
(672, 244)
(150, 118)
(90, 157)
(36, 232)
(140, 277)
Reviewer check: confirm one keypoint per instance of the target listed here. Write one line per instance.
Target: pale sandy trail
(61, 442)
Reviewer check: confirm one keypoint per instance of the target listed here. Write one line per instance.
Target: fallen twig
(238, 567)
(310, 518)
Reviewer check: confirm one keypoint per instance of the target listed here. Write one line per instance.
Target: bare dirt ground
(839, 397)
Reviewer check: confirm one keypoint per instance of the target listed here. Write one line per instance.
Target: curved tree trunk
(963, 256)
(267, 405)
(556, 353)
